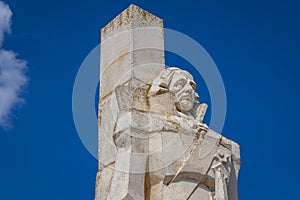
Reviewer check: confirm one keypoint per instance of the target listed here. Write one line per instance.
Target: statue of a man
(181, 135)
(198, 163)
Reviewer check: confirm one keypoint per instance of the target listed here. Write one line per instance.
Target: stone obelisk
(153, 144)
(132, 55)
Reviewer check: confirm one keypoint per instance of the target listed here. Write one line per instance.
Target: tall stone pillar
(132, 56)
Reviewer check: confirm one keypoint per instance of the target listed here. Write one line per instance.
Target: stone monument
(153, 144)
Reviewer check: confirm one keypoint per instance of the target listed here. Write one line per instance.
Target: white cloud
(5, 17)
(12, 72)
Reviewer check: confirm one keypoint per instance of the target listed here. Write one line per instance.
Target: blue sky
(255, 45)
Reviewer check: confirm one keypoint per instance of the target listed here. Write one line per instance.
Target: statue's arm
(185, 125)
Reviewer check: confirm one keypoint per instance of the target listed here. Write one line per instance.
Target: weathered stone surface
(153, 143)
(187, 190)
(132, 45)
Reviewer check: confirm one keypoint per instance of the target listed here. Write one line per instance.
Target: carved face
(183, 87)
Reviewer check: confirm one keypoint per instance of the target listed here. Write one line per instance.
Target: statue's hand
(202, 127)
(185, 125)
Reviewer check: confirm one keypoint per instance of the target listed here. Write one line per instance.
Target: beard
(184, 105)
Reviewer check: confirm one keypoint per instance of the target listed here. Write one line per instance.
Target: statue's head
(180, 83)
(183, 87)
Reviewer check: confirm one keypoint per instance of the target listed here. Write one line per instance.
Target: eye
(193, 84)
